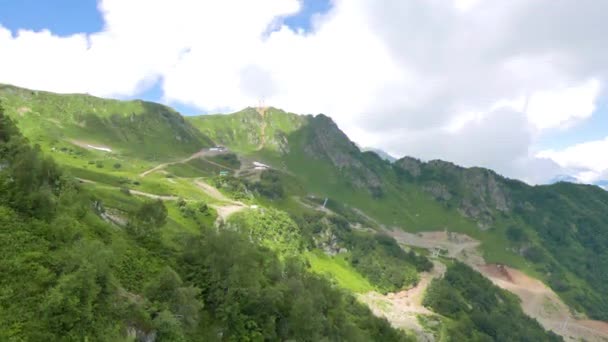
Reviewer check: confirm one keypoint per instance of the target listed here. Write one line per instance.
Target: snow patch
(99, 148)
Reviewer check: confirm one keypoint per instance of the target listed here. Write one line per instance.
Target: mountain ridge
(312, 168)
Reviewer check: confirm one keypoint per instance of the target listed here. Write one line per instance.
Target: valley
(157, 192)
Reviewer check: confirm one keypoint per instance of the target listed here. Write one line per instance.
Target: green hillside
(199, 244)
(561, 230)
(543, 230)
(72, 271)
(250, 130)
(140, 129)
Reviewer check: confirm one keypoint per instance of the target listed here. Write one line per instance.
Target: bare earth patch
(402, 308)
(223, 211)
(537, 299)
(456, 245)
(23, 110)
(540, 302)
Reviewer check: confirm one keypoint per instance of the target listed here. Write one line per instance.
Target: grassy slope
(140, 134)
(340, 270)
(245, 131)
(403, 204)
(135, 129)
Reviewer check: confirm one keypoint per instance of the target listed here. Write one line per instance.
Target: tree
(168, 292)
(149, 218)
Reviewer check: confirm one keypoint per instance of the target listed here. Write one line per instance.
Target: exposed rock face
(326, 140)
(141, 336)
(328, 242)
(282, 142)
(477, 193)
(484, 186)
(411, 165)
(439, 191)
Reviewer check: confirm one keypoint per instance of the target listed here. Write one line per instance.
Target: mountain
(134, 128)
(602, 184)
(265, 224)
(514, 221)
(380, 153)
(564, 178)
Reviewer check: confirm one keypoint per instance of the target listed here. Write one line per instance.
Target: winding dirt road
(200, 154)
(223, 211)
(537, 299)
(401, 308)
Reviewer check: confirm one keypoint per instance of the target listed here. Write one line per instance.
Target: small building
(217, 149)
(224, 173)
(260, 166)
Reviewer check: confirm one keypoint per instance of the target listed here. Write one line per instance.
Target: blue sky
(67, 17)
(594, 128)
(62, 17)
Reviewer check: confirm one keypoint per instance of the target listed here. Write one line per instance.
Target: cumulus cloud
(472, 81)
(561, 106)
(590, 158)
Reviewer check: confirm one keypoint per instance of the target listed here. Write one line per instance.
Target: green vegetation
(555, 232)
(139, 129)
(477, 310)
(374, 256)
(570, 221)
(246, 131)
(271, 228)
(339, 269)
(137, 244)
(250, 294)
(381, 260)
(70, 275)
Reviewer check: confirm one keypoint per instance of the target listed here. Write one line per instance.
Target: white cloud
(590, 158)
(564, 105)
(430, 78)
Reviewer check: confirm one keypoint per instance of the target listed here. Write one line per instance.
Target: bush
(516, 234)
(534, 254)
(117, 166)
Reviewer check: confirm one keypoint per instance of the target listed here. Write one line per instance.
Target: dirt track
(457, 246)
(200, 154)
(540, 302)
(401, 308)
(223, 211)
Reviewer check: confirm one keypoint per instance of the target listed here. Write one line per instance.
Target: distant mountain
(564, 178)
(571, 179)
(602, 184)
(379, 152)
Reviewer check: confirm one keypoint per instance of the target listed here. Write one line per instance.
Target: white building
(260, 166)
